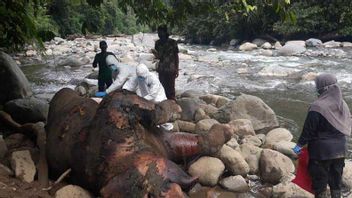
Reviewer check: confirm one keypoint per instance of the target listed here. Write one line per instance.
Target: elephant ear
(167, 111)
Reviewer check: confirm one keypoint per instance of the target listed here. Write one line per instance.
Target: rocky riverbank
(257, 161)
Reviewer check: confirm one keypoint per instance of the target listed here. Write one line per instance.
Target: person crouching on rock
(325, 129)
(105, 72)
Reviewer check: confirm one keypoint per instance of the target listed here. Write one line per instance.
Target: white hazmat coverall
(125, 77)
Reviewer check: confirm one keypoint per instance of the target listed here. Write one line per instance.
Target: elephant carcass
(122, 152)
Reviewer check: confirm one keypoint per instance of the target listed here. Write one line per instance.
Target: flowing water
(275, 79)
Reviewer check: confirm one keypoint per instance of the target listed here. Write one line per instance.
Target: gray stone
(189, 106)
(266, 45)
(221, 101)
(290, 190)
(72, 191)
(259, 41)
(252, 155)
(248, 107)
(13, 83)
(233, 161)
(242, 127)
(208, 170)
(253, 140)
(291, 49)
(210, 98)
(28, 110)
(23, 165)
(235, 183)
(234, 42)
(277, 135)
(296, 42)
(248, 47)
(312, 42)
(346, 44)
(200, 115)
(347, 175)
(185, 126)
(277, 71)
(73, 61)
(277, 45)
(209, 109)
(232, 143)
(274, 166)
(332, 44)
(285, 147)
(204, 125)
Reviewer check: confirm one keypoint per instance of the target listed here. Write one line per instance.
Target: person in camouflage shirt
(105, 72)
(166, 51)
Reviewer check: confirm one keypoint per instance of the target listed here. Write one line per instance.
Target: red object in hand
(303, 178)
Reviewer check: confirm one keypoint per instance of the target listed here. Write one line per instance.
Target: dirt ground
(11, 187)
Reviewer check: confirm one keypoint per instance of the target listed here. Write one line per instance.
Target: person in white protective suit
(126, 75)
(149, 87)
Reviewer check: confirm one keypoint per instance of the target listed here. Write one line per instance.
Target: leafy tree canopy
(19, 25)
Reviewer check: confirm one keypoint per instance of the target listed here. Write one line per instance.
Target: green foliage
(315, 18)
(17, 26)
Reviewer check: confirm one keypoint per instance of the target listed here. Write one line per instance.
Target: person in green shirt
(105, 72)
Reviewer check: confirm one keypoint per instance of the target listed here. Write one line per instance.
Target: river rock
(251, 154)
(200, 115)
(23, 165)
(185, 126)
(346, 44)
(274, 166)
(221, 101)
(253, 140)
(277, 135)
(209, 109)
(189, 106)
(291, 49)
(312, 42)
(210, 98)
(192, 94)
(72, 191)
(13, 83)
(242, 127)
(27, 110)
(248, 107)
(18, 140)
(235, 183)
(233, 161)
(347, 175)
(296, 42)
(59, 40)
(232, 143)
(290, 190)
(204, 125)
(277, 45)
(5, 171)
(208, 170)
(234, 42)
(248, 46)
(266, 52)
(285, 147)
(73, 61)
(259, 41)
(266, 45)
(332, 44)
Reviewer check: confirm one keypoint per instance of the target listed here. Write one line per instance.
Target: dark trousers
(102, 82)
(324, 172)
(168, 81)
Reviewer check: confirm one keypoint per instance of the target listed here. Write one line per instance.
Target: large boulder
(13, 83)
(274, 166)
(185, 126)
(28, 110)
(291, 49)
(285, 147)
(204, 125)
(332, 44)
(248, 107)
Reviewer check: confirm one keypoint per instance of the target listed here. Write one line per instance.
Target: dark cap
(101, 43)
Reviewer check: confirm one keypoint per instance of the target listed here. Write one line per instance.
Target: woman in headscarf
(325, 129)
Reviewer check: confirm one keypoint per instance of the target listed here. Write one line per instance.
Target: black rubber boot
(323, 194)
(335, 193)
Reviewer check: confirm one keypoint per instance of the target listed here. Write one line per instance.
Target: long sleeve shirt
(324, 140)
